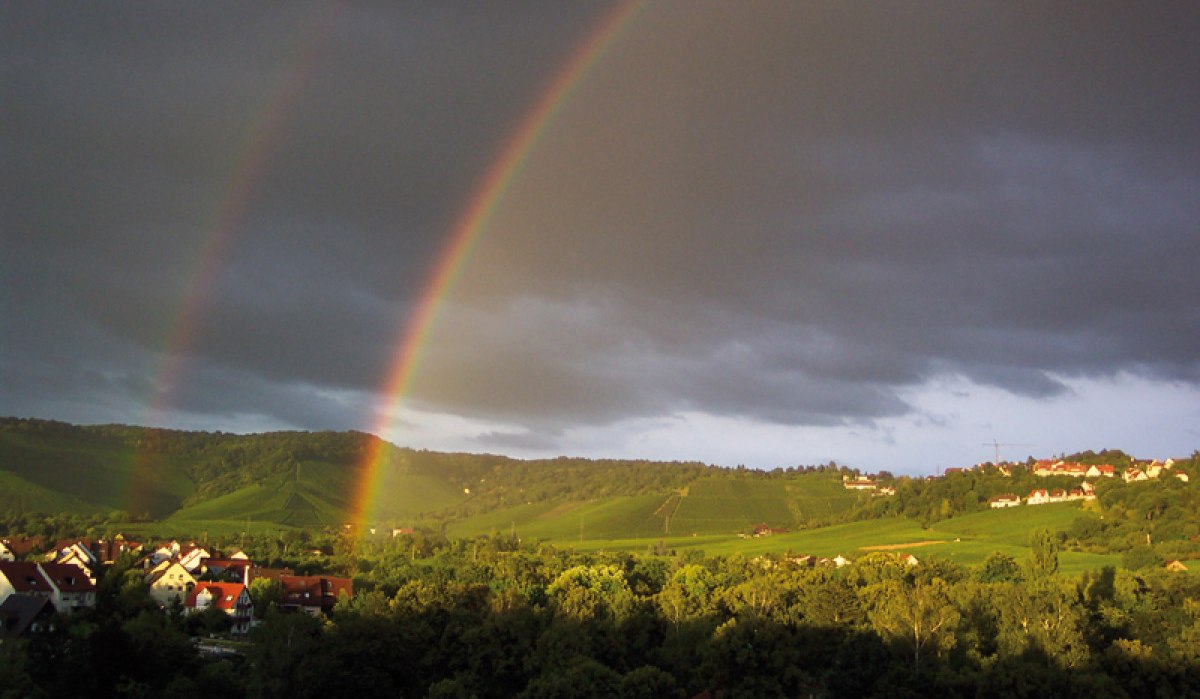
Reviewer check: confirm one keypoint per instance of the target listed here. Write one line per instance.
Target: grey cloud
(791, 213)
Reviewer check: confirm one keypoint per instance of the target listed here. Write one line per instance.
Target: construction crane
(997, 445)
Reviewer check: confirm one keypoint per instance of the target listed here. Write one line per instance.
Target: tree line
(491, 617)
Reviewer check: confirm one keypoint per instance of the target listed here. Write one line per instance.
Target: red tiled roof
(224, 595)
(26, 578)
(68, 578)
(313, 591)
(22, 546)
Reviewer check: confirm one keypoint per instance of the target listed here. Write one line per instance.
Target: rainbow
(220, 224)
(466, 231)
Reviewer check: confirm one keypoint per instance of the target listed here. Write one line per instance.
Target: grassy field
(966, 540)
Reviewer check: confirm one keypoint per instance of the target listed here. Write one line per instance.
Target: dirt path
(893, 547)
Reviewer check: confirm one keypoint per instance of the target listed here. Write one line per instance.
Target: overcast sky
(755, 233)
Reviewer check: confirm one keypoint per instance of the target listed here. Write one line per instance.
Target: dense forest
(491, 618)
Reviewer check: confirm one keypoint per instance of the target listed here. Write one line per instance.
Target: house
(1037, 497)
(64, 585)
(73, 589)
(767, 530)
(76, 552)
(225, 569)
(191, 557)
(165, 550)
(1175, 566)
(109, 550)
(21, 546)
(401, 531)
(21, 614)
(231, 598)
(910, 561)
(858, 484)
(1101, 471)
(1182, 476)
(170, 582)
(1005, 500)
(1046, 468)
(884, 490)
(313, 594)
(239, 555)
(23, 578)
(1134, 474)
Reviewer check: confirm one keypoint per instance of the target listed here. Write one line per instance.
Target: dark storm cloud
(791, 213)
(349, 134)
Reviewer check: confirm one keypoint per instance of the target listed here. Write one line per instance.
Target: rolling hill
(214, 482)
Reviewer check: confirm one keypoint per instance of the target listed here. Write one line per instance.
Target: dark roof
(18, 612)
(25, 577)
(68, 578)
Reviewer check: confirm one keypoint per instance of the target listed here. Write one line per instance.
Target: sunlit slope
(721, 505)
(618, 517)
(402, 495)
(726, 504)
(968, 539)
(103, 474)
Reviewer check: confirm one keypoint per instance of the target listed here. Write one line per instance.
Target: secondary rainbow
(466, 232)
(220, 224)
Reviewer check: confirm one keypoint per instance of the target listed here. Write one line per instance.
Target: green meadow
(966, 540)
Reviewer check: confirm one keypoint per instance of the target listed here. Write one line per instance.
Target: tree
(1043, 555)
(587, 592)
(999, 567)
(920, 618)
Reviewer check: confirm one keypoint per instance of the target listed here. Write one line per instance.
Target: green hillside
(720, 504)
(100, 473)
(216, 482)
(19, 495)
(615, 517)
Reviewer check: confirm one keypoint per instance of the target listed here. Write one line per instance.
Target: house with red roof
(73, 589)
(231, 598)
(78, 553)
(1005, 500)
(1037, 497)
(313, 594)
(23, 578)
(64, 585)
(1134, 474)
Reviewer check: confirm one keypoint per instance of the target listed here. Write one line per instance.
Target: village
(1139, 471)
(181, 578)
